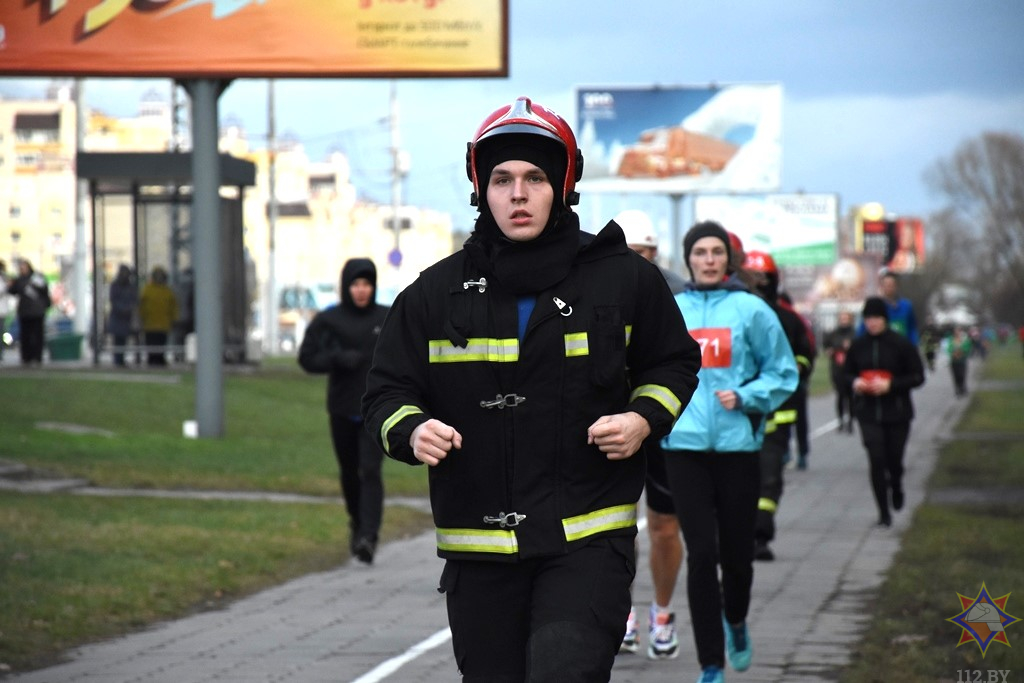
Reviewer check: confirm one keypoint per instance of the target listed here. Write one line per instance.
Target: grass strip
(76, 569)
(953, 549)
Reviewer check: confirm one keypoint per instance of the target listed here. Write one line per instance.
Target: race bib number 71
(715, 346)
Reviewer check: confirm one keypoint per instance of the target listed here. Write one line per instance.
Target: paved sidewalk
(388, 622)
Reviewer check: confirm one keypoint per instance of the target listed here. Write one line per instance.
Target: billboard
(898, 242)
(800, 231)
(678, 140)
(254, 38)
(796, 229)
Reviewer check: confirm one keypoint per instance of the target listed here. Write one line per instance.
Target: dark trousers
(551, 619)
(119, 341)
(359, 468)
(803, 441)
(156, 341)
(716, 499)
(31, 339)
(844, 401)
(885, 443)
(959, 368)
(773, 464)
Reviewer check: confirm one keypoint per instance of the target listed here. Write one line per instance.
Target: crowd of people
(548, 379)
(149, 317)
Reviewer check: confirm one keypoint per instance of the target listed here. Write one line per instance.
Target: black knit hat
(543, 153)
(705, 229)
(875, 307)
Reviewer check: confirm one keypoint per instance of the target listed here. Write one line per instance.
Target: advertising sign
(899, 243)
(677, 140)
(254, 38)
(796, 229)
(800, 232)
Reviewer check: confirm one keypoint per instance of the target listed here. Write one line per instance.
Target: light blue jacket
(744, 349)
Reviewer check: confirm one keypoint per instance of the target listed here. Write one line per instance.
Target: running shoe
(738, 647)
(630, 641)
(662, 641)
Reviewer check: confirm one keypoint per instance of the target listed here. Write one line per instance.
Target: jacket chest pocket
(607, 346)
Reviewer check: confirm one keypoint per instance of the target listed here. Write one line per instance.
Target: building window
(15, 212)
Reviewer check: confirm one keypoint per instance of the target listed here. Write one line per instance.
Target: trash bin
(65, 347)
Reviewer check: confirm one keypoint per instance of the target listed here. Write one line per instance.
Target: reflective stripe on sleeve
(477, 541)
(660, 394)
(768, 505)
(783, 417)
(478, 349)
(396, 417)
(617, 517)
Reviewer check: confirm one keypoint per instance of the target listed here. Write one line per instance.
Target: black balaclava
(353, 269)
(533, 266)
(705, 229)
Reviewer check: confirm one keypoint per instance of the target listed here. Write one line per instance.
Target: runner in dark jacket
(525, 371)
(780, 423)
(881, 368)
(339, 342)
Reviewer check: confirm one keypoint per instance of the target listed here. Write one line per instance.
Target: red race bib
(715, 346)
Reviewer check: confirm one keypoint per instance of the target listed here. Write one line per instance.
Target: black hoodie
(340, 341)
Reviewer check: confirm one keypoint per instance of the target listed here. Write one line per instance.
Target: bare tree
(984, 183)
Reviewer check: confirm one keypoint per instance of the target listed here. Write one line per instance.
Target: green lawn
(75, 569)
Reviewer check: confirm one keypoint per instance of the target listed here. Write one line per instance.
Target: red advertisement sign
(254, 38)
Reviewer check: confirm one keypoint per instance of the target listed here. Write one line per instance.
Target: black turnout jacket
(607, 339)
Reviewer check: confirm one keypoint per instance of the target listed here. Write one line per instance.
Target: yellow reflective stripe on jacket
(662, 395)
(477, 541)
(618, 517)
(576, 344)
(803, 360)
(769, 426)
(768, 505)
(477, 349)
(783, 417)
(396, 417)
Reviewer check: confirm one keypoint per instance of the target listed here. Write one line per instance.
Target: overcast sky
(875, 91)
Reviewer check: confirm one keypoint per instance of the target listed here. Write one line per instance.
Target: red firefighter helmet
(523, 116)
(760, 262)
(735, 243)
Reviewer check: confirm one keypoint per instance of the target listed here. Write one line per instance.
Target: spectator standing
(525, 371)
(781, 421)
(882, 366)
(666, 542)
(837, 343)
(34, 301)
(5, 306)
(712, 452)
(124, 306)
(339, 342)
(959, 346)
(158, 310)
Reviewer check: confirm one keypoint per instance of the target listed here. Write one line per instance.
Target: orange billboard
(254, 38)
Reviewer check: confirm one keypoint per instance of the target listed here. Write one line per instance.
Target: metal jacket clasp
(499, 402)
(480, 284)
(505, 519)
